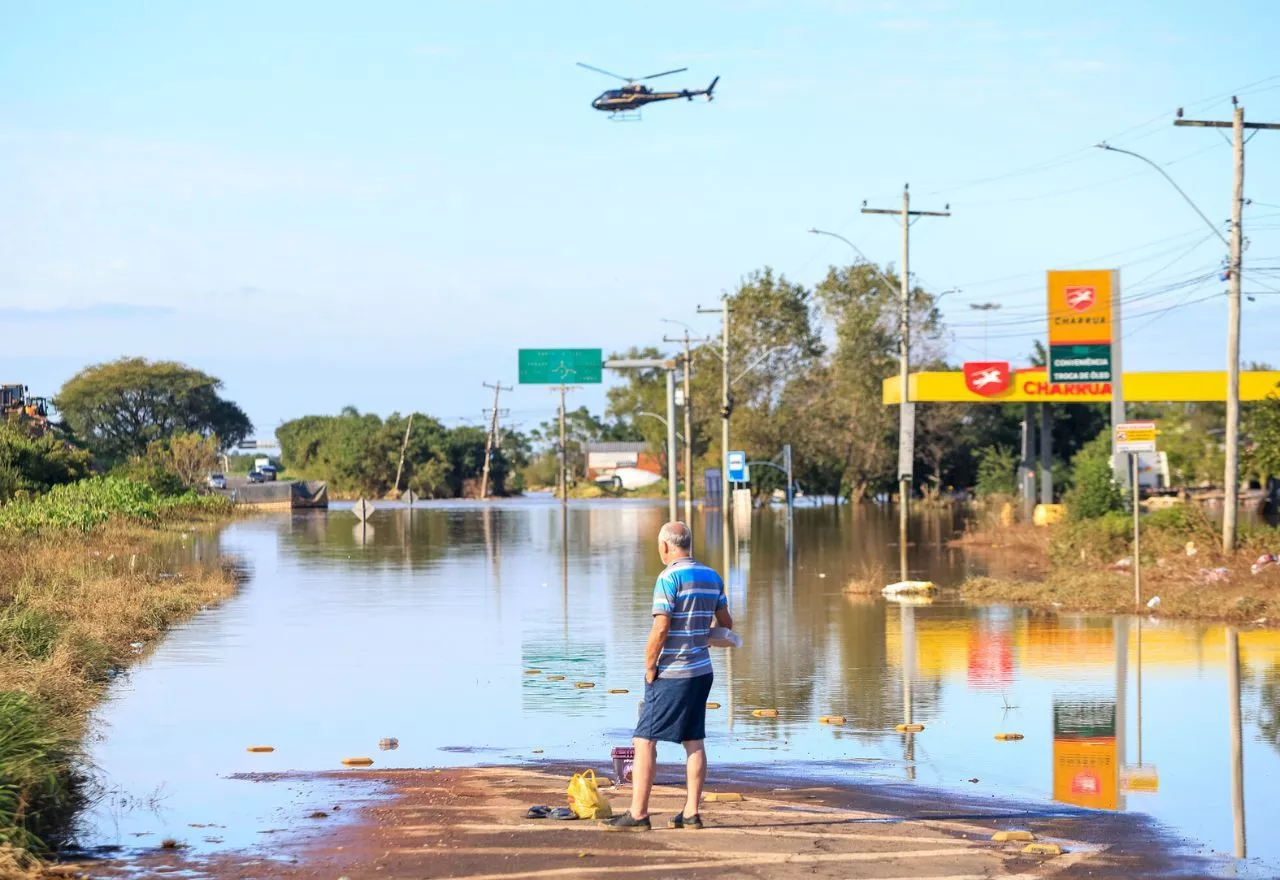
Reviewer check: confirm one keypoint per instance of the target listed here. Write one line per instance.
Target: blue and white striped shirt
(689, 593)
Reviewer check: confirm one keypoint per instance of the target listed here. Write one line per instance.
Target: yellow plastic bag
(585, 799)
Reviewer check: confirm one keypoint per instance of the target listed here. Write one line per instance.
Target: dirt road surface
(470, 823)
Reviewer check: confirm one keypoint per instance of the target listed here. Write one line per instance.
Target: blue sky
(326, 204)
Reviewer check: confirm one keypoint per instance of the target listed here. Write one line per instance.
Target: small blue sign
(738, 468)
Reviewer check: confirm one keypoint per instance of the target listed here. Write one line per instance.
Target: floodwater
(426, 626)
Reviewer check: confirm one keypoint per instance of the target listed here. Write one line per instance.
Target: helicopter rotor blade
(665, 73)
(606, 73)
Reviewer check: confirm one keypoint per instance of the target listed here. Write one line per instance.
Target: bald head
(675, 541)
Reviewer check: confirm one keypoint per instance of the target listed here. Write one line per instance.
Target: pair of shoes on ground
(627, 822)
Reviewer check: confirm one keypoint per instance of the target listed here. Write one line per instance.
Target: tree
(118, 408)
(1262, 426)
(1094, 492)
(37, 464)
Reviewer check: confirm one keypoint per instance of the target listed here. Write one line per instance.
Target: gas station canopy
(994, 382)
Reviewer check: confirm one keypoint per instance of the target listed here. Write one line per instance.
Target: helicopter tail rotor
(711, 88)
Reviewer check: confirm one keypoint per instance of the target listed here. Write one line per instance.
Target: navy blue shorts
(675, 709)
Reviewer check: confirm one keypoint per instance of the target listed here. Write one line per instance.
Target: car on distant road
(216, 481)
(631, 478)
(257, 477)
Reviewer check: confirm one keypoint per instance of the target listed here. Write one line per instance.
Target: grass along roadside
(80, 592)
(1087, 566)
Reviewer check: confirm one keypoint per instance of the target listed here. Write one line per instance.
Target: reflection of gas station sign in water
(990, 656)
(1086, 766)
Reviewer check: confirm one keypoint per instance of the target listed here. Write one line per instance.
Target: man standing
(687, 597)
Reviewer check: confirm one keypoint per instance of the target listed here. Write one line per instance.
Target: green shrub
(1094, 492)
(28, 632)
(996, 472)
(39, 787)
(1105, 539)
(91, 503)
(162, 479)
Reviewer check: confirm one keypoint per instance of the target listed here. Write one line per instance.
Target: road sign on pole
(738, 472)
(561, 366)
(1136, 437)
(362, 509)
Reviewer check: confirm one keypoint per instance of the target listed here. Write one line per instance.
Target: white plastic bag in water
(719, 637)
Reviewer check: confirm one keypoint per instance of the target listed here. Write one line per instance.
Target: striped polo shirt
(689, 593)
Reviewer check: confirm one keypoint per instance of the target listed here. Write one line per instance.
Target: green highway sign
(1080, 364)
(561, 366)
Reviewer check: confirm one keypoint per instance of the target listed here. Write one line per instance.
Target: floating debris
(555, 678)
(533, 672)
(765, 713)
(910, 588)
(319, 814)
(1008, 836)
(261, 749)
(1153, 603)
(909, 728)
(1008, 737)
(1042, 849)
(831, 719)
(619, 691)
(584, 684)
(713, 705)
(358, 762)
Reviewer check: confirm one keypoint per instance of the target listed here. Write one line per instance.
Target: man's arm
(653, 648)
(723, 617)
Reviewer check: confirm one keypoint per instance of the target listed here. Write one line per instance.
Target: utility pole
(491, 442)
(906, 409)
(403, 447)
(1230, 498)
(726, 408)
(688, 423)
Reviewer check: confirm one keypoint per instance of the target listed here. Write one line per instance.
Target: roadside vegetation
(95, 515)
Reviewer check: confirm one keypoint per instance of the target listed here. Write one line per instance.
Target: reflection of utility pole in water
(494, 554)
(1138, 675)
(564, 569)
(908, 638)
(1120, 627)
(1237, 742)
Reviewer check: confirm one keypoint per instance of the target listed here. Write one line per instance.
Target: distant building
(624, 465)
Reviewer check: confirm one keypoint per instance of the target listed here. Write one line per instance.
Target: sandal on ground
(563, 813)
(539, 811)
(679, 820)
(627, 822)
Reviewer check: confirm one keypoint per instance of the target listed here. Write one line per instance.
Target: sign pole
(1137, 548)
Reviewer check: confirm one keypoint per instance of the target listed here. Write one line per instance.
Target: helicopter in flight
(635, 95)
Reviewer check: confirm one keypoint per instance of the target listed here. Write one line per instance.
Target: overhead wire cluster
(1023, 307)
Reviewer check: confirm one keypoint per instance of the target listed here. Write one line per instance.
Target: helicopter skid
(625, 116)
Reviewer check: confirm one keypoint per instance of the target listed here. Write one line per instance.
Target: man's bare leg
(695, 768)
(642, 772)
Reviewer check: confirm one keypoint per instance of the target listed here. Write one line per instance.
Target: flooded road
(427, 625)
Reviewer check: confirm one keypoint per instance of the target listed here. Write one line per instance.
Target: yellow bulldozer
(16, 403)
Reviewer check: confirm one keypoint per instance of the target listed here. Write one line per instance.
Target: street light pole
(984, 308)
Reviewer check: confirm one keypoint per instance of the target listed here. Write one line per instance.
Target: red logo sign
(987, 378)
(1081, 298)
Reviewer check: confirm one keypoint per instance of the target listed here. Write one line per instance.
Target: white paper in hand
(719, 637)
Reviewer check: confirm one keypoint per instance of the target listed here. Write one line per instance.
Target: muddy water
(424, 625)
